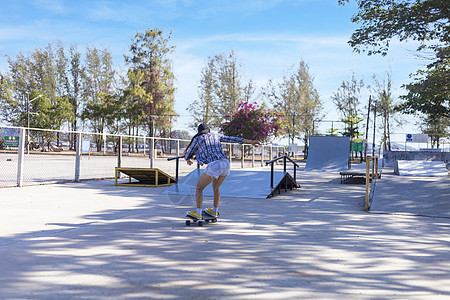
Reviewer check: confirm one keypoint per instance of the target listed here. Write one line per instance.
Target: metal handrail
(178, 164)
(285, 158)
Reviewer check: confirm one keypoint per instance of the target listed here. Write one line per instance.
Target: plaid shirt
(208, 148)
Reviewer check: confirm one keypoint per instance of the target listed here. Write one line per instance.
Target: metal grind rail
(285, 160)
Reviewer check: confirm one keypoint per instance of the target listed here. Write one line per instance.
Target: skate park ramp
(328, 153)
(420, 168)
(412, 195)
(254, 183)
(145, 177)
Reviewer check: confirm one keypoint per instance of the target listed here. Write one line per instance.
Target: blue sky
(268, 37)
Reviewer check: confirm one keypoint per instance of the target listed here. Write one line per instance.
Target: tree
(297, 99)
(429, 93)
(151, 79)
(384, 103)
(221, 90)
(347, 102)
(426, 21)
(228, 86)
(47, 114)
(202, 109)
(352, 127)
(98, 81)
(37, 72)
(74, 83)
(436, 127)
(254, 122)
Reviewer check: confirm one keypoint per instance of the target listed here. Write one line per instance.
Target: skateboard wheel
(188, 223)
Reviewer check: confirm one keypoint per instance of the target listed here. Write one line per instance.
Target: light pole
(28, 120)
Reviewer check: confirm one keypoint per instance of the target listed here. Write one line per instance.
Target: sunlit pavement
(94, 240)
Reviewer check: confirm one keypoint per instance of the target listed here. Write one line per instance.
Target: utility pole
(367, 128)
(374, 127)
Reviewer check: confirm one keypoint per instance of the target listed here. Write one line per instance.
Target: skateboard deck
(205, 219)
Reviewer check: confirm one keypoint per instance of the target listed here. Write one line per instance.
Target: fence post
(262, 156)
(20, 158)
(178, 147)
(78, 157)
(119, 152)
(368, 159)
(242, 156)
(144, 144)
(152, 152)
(253, 156)
(104, 143)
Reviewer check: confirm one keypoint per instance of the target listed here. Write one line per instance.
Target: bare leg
(216, 185)
(203, 181)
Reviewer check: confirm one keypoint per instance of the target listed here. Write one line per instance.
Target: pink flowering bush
(254, 122)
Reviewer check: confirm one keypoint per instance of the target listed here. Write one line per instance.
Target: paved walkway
(93, 240)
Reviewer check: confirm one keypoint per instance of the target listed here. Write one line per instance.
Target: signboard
(11, 141)
(85, 145)
(357, 147)
(417, 138)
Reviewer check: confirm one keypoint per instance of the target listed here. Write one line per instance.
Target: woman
(208, 149)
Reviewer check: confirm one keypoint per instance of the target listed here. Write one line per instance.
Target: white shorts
(218, 168)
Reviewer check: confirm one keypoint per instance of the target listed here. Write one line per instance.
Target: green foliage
(352, 127)
(297, 99)
(220, 91)
(347, 96)
(254, 122)
(332, 132)
(150, 81)
(436, 127)
(426, 21)
(429, 93)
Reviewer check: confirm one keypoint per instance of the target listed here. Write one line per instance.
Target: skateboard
(205, 219)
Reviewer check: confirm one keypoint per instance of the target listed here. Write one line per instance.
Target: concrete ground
(94, 240)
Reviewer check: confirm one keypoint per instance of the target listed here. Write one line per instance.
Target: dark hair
(203, 128)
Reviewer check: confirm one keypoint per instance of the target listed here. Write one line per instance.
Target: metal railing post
(253, 156)
(271, 175)
(242, 156)
(78, 157)
(119, 152)
(152, 152)
(262, 155)
(144, 144)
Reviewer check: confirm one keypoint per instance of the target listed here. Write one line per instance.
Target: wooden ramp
(145, 177)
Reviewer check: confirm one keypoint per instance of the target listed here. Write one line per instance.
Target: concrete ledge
(390, 157)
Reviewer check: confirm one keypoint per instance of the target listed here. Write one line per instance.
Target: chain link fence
(43, 156)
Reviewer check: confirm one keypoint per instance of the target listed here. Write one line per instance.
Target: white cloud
(54, 6)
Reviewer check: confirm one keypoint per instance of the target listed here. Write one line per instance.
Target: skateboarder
(208, 149)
